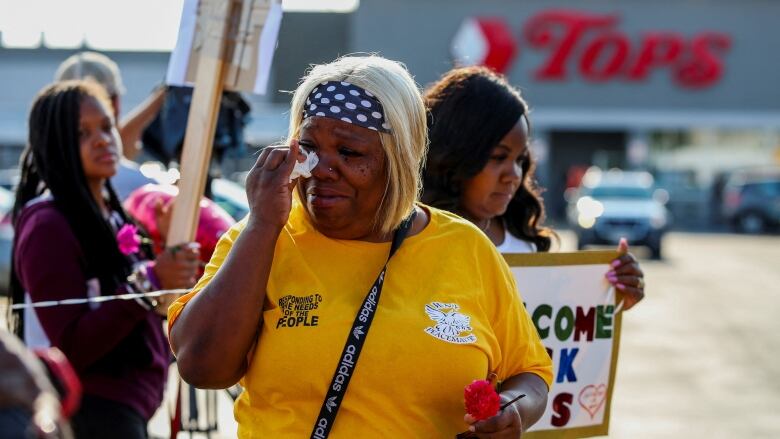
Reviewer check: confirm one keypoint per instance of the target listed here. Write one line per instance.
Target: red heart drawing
(592, 397)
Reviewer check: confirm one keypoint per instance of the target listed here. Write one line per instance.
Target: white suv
(614, 204)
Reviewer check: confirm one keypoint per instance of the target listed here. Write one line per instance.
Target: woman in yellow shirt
(286, 302)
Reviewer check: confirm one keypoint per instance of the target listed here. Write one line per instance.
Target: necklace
(487, 226)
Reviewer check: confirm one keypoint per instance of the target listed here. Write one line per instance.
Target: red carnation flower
(482, 401)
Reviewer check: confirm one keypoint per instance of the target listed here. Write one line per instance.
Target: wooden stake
(215, 17)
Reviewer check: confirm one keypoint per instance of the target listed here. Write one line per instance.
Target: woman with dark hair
(66, 222)
(479, 166)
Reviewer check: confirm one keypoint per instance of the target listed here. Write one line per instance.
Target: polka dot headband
(348, 103)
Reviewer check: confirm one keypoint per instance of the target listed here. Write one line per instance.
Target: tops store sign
(594, 47)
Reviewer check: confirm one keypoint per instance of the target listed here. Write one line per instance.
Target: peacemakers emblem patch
(450, 325)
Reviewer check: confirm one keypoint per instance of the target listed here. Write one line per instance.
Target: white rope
(98, 299)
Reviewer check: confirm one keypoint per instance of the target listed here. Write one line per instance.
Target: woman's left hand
(627, 276)
(177, 267)
(506, 424)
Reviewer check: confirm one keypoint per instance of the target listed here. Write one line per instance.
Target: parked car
(614, 204)
(6, 239)
(9, 178)
(751, 201)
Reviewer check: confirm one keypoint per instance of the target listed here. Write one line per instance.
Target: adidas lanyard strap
(355, 340)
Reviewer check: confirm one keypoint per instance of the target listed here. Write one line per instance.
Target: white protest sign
(253, 35)
(573, 307)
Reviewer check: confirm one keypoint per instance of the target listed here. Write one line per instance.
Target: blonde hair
(405, 147)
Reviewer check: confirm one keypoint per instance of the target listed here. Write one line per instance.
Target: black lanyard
(354, 345)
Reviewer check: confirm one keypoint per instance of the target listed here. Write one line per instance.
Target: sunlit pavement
(699, 356)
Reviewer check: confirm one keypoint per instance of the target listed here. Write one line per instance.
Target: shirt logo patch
(298, 311)
(450, 324)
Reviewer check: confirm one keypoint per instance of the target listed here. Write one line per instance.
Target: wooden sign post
(214, 18)
(231, 46)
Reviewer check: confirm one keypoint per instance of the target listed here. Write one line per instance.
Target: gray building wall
(23, 72)
(306, 39)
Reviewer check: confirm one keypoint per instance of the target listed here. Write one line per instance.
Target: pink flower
(482, 401)
(128, 239)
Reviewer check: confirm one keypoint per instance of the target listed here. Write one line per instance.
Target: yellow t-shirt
(449, 313)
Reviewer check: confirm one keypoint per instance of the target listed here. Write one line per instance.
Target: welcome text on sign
(577, 324)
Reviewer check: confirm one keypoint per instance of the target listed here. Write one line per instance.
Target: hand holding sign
(626, 276)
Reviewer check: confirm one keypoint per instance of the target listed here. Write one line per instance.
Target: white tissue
(303, 169)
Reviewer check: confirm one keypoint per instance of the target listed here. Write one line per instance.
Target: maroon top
(118, 349)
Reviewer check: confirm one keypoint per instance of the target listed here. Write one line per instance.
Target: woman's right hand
(177, 267)
(268, 188)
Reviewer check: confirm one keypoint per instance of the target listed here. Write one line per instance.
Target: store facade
(684, 88)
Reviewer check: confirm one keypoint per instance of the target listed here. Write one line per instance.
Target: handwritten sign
(252, 36)
(576, 312)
